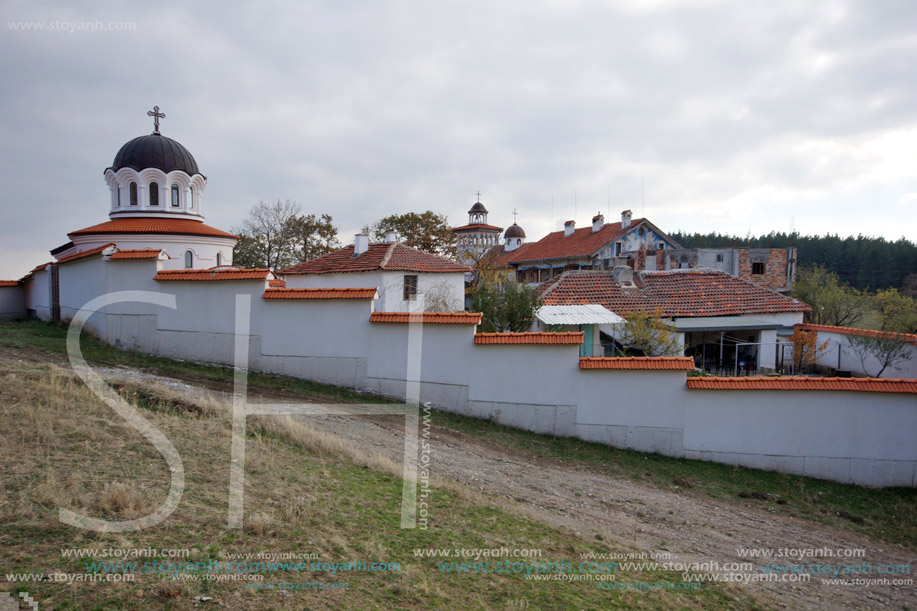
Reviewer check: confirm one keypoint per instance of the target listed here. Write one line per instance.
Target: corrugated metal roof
(586, 314)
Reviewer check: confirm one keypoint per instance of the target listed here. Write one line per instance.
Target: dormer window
(175, 196)
(154, 194)
(133, 194)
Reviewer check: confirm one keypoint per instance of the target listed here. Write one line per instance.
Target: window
(119, 196)
(191, 197)
(719, 257)
(133, 194)
(410, 288)
(189, 259)
(219, 259)
(154, 194)
(618, 247)
(758, 268)
(175, 196)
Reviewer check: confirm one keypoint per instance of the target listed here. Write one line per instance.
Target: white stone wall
(443, 292)
(38, 294)
(839, 355)
(853, 437)
(12, 302)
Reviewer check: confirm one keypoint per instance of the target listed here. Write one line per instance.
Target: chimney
(625, 219)
(390, 237)
(598, 221)
(623, 275)
(569, 228)
(360, 244)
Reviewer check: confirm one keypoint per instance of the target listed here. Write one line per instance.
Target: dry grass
(305, 491)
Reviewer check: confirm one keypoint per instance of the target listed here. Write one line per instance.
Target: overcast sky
(736, 116)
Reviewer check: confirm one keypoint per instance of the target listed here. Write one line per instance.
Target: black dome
(478, 207)
(514, 231)
(155, 151)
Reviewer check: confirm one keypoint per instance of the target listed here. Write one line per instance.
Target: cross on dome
(156, 117)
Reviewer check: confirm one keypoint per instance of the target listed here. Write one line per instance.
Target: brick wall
(774, 262)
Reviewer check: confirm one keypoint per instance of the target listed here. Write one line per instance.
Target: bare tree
(277, 235)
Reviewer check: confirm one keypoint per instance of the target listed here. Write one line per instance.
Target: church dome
(155, 151)
(514, 231)
(478, 208)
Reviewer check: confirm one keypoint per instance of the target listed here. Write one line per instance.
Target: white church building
(162, 282)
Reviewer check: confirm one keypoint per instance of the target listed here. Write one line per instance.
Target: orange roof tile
(82, 255)
(379, 256)
(153, 225)
(9, 283)
(801, 383)
(476, 227)
(277, 283)
(570, 338)
(680, 293)
(671, 363)
(40, 267)
(907, 337)
(441, 318)
(138, 253)
(582, 243)
(345, 293)
(214, 274)
(498, 258)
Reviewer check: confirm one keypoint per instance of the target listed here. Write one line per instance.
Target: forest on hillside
(865, 263)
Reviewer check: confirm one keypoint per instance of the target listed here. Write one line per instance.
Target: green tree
(510, 310)
(426, 231)
(647, 334)
(897, 312)
(888, 350)
(278, 235)
(832, 302)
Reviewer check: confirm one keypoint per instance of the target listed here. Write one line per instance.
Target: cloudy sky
(735, 116)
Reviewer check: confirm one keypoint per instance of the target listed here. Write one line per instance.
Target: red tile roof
(583, 243)
(82, 255)
(9, 283)
(138, 253)
(214, 274)
(346, 293)
(907, 337)
(682, 293)
(476, 227)
(671, 363)
(498, 258)
(40, 267)
(489, 339)
(153, 225)
(278, 284)
(441, 318)
(792, 383)
(380, 256)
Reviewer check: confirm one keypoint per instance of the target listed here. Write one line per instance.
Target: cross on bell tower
(156, 117)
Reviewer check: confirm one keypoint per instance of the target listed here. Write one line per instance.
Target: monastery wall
(849, 436)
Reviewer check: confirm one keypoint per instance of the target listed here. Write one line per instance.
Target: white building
(400, 273)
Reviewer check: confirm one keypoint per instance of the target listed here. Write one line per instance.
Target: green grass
(62, 447)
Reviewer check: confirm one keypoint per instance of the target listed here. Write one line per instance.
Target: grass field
(305, 493)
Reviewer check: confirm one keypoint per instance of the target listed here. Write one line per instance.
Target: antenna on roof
(642, 201)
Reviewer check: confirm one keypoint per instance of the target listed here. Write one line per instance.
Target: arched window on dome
(119, 197)
(189, 259)
(191, 197)
(133, 194)
(154, 194)
(219, 259)
(175, 196)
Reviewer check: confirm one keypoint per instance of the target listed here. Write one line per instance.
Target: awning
(588, 314)
(724, 323)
